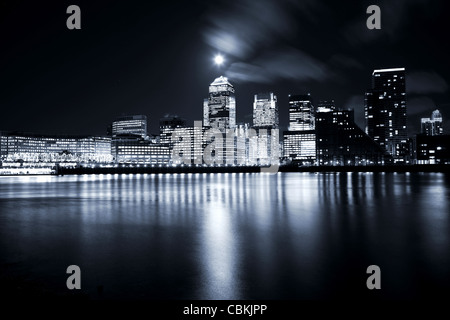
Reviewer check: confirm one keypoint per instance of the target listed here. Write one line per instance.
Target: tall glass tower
(299, 142)
(385, 111)
(219, 110)
(265, 110)
(432, 126)
(265, 146)
(301, 113)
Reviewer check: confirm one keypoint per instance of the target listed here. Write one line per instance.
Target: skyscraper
(265, 145)
(219, 110)
(325, 106)
(385, 111)
(265, 110)
(432, 126)
(301, 113)
(299, 143)
(130, 125)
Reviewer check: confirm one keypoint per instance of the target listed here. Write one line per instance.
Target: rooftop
(388, 70)
(221, 81)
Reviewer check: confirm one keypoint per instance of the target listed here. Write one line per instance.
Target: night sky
(156, 58)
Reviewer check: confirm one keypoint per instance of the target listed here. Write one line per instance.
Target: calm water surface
(230, 236)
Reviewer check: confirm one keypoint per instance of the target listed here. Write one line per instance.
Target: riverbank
(223, 169)
(250, 169)
(26, 171)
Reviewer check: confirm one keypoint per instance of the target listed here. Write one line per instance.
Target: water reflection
(231, 236)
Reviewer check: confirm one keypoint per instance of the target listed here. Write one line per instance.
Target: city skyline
(134, 64)
(229, 156)
(322, 135)
(291, 119)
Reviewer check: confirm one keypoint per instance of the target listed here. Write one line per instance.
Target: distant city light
(218, 59)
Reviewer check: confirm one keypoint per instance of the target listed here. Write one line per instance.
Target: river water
(230, 236)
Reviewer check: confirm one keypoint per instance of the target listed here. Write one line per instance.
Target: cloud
(344, 61)
(285, 63)
(419, 105)
(425, 82)
(252, 33)
(240, 28)
(246, 72)
(290, 63)
(245, 27)
(227, 42)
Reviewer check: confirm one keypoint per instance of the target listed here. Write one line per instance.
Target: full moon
(218, 59)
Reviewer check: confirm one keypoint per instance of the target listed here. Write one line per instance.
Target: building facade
(132, 150)
(326, 106)
(301, 113)
(167, 125)
(187, 145)
(265, 111)
(341, 142)
(299, 142)
(130, 125)
(264, 142)
(432, 126)
(37, 148)
(385, 111)
(243, 141)
(300, 146)
(219, 110)
(432, 149)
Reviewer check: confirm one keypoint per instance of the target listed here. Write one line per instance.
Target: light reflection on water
(230, 236)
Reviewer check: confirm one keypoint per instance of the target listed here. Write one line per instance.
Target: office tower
(432, 126)
(206, 113)
(341, 142)
(128, 149)
(242, 144)
(130, 125)
(326, 106)
(187, 145)
(167, 125)
(219, 110)
(265, 110)
(264, 147)
(385, 111)
(299, 143)
(300, 146)
(301, 113)
(219, 114)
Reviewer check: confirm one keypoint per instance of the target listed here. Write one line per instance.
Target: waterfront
(230, 235)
